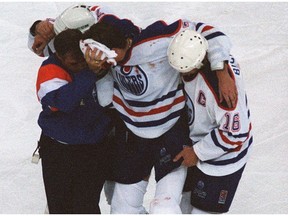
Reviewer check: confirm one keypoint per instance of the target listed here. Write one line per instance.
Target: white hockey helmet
(75, 17)
(187, 51)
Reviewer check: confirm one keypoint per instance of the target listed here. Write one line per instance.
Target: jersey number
(232, 122)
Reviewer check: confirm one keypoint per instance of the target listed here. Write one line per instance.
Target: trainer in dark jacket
(73, 143)
(71, 113)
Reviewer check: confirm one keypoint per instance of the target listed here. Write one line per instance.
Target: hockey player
(75, 128)
(221, 136)
(149, 97)
(42, 32)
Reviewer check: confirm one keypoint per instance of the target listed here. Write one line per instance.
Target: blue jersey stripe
(152, 123)
(215, 140)
(213, 35)
(239, 135)
(198, 26)
(232, 160)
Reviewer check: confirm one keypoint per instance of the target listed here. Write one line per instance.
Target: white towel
(107, 53)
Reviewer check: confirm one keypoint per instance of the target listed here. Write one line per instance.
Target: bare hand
(39, 44)
(93, 60)
(45, 29)
(43, 35)
(188, 155)
(227, 87)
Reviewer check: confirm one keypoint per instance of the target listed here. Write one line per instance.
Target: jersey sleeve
(31, 39)
(233, 131)
(99, 11)
(219, 44)
(105, 89)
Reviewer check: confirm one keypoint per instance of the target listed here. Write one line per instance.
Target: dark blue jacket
(71, 112)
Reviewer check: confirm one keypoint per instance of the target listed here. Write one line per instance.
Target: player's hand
(93, 59)
(44, 33)
(45, 29)
(227, 87)
(39, 44)
(188, 155)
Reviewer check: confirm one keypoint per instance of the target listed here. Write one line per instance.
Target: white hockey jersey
(222, 137)
(96, 11)
(148, 92)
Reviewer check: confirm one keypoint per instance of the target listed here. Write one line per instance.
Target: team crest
(191, 109)
(131, 79)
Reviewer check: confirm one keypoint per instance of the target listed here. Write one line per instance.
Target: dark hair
(107, 34)
(67, 41)
(33, 27)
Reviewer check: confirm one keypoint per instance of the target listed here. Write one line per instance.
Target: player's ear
(129, 42)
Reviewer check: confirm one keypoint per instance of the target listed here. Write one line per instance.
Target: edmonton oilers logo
(132, 79)
(191, 109)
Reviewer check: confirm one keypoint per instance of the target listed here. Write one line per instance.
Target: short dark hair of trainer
(68, 51)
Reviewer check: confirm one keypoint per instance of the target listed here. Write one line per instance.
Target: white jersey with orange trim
(96, 11)
(148, 92)
(222, 137)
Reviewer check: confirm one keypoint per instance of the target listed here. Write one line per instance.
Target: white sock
(185, 203)
(46, 211)
(164, 204)
(168, 192)
(128, 198)
(198, 211)
(108, 190)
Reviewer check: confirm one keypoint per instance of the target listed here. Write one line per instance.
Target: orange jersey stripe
(151, 112)
(226, 140)
(206, 28)
(93, 8)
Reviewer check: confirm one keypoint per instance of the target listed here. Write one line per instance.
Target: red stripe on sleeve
(93, 8)
(226, 140)
(206, 28)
